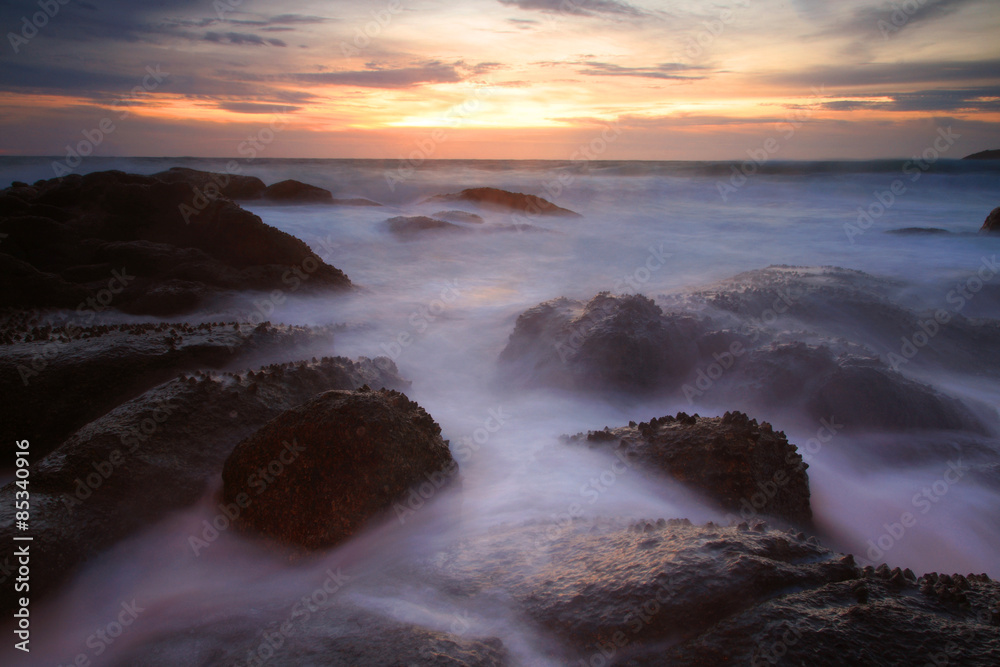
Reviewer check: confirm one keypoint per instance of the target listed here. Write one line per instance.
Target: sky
(490, 79)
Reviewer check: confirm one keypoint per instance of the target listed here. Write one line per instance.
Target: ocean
(443, 306)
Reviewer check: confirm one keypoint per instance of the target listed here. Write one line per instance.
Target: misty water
(442, 306)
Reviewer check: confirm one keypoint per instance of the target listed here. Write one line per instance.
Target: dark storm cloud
(576, 7)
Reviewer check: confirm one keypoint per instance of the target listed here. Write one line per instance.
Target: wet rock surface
(143, 245)
(341, 636)
(57, 378)
(347, 456)
(771, 342)
(157, 453)
(666, 592)
(744, 467)
(510, 201)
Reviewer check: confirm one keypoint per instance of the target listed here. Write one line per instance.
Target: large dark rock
(992, 222)
(144, 245)
(234, 186)
(346, 457)
(622, 343)
(509, 201)
(55, 379)
(743, 466)
(411, 225)
(291, 191)
(709, 595)
(153, 455)
(992, 154)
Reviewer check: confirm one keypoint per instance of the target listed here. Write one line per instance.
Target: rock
(355, 454)
(153, 455)
(55, 379)
(510, 201)
(619, 343)
(666, 592)
(290, 191)
(408, 226)
(146, 246)
(355, 201)
(918, 231)
(234, 186)
(992, 222)
(743, 467)
(459, 216)
(993, 154)
(337, 636)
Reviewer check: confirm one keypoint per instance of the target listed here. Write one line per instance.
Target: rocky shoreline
(133, 422)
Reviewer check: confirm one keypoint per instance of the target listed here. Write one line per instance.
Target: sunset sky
(499, 78)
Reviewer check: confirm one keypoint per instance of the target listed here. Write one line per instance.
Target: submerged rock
(410, 225)
(153, 455)
(511, 201)
(459, 216)
(345, 458)
(622, 343)
(143, 245)
(743, 466)
(291, 191)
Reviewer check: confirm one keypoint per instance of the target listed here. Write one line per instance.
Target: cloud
(871, 74)
(661, 71)
(966, 99)
(405, 77)
(576, 7)
(257, 107)
(240, 38)
(883, 21)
